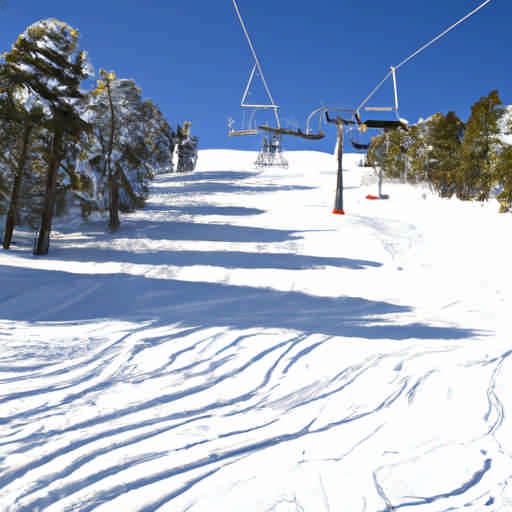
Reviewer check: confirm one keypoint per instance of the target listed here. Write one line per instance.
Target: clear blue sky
(191, 58)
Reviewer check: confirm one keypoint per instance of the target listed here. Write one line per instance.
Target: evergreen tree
(21, 114)
(444, 136)
(387, 152)
(187, 148)
(5, 167)
(416, 153)
(480, 147)
(159, 138)
(120, 161)
(8, 139)
(377, 156)
(504, 166)
(504, 175)
(396, 153)
(46, 62)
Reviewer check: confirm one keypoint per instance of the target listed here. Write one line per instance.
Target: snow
(506, 126)
(238, 347)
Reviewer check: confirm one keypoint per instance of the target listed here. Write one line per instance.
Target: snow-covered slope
(238, 347)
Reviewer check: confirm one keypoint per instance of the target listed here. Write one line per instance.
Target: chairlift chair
(293, 133)
(385, 124)
(360, 146)
(242, 132)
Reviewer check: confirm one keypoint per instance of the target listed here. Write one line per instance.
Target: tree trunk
(113, 186)
(43, 240)
(12, 216)
(113, 193)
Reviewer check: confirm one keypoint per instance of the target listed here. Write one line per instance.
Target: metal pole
(395, 90)
(386, 138)
(338, 204)
(340, 125)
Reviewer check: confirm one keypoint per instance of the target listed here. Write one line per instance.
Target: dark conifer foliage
(45, 61)
(444, 138)
(20, 116)
(481, 146)
(131, 143)
(187, 148)
(469, 160)
(63, 148)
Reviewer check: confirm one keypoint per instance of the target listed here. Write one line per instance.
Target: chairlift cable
(449, 29)
(420, 50)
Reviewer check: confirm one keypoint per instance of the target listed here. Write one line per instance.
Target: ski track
(137, 410)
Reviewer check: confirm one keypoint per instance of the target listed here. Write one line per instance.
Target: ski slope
(236, 347)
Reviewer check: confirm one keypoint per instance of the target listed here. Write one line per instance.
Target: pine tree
(444, 136)
(416, 153)
(387, 152)
(5, 168)
(8, 140)
(121, 159)
(480, 147)
(376, 152)
(504, 165)
(504, 175)
(21, 114)
(158, 137)
(396, 153)
(46, 62)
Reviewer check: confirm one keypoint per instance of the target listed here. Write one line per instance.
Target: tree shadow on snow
(208, 210)
(212, 232)
(213, 187)
(40, 295)
(213, 176)
(224, 259)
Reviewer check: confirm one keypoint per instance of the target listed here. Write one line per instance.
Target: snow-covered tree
(187, 148)
(504, 166)
(5, 167)
(21, 114)
(119, 161)
(158, 137)
(46, 62)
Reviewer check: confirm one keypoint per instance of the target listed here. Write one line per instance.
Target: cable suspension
(449, 29)
(256, 60)
(419, 50)
(368, 98)
(246, 92)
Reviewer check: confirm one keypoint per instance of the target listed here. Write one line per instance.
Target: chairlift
(356, 144)
(242, 132)
(294, 133)
(359, 146)
(384, 124)
(257, 72)
(248, 126)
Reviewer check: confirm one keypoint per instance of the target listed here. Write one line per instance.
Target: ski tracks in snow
(209, 396)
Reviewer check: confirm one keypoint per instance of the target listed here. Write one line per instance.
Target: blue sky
(191, 58)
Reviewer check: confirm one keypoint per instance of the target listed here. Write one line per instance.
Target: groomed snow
(236, 347)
